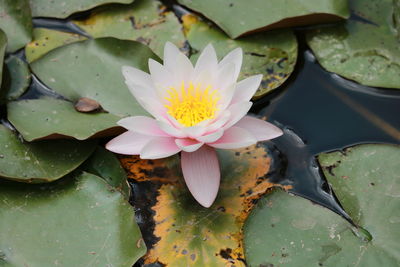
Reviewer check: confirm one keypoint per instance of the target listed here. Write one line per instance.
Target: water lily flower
(195, 110)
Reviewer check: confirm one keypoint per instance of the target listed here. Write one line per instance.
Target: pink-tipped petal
(194, 131)
(153, 106)
(142, 125)
(238, 111)
(234, 137)
(212, 137)
(245, 89)
(188, 145)
(159, 147)
(219, 122)
(128, 143)
(235, 57)
(260, 129)
(202, 174)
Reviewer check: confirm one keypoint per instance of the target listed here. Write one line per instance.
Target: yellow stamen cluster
(191, 105)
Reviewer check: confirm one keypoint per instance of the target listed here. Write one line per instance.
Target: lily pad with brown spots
(186, 234)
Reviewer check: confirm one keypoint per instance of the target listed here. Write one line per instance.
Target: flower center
(191, 105)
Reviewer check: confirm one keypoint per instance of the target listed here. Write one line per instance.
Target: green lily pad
(364, 49)
(45, 40)
(77, 221)
(189, 234)
(143, 21)
(272, 54)
(62, 9)
(240, 17)
(16, 22)
(39, 162)
(366, 180)
(20, 77)
(105, 164)
(49, 118)
(88, 69)
(3, 45)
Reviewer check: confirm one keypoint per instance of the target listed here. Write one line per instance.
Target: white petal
(128, 143)
(188, 145)
(219, 122)
(225, 78)
(212, 137)
(171, 130)
(261, 130)
(202, 174)
(235, 57)
(238, 111)
(171, 52)
(234, 137)
(153, 106)
(161, 76)
(206, 61)
(194, 131)
(178, 64)
(245, 89)
(136, 76)
(159, 147)
(142, 125)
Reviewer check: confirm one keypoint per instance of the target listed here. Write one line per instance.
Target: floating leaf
(3, 45)
(62, 9)
(20, 77)
(272, 54)
(90, 69)
(16, 22)
(49, 118)
(104, 164)
(39, 162)
(365, 48)
(276, 233)
(190, 235)
(77, 221)
(241, 16)
(45, 40)
(143, 21)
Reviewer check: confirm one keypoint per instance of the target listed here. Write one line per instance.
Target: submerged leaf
(272, 54)
(144, 21)
(187, 233)
(365, 179)
(242, 16)
(39, 162)
(62, 9)
(16, 22)
(77, 221)
(366, 47)
(19, 77)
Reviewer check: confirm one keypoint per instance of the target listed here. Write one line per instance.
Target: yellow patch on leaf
(190, 235)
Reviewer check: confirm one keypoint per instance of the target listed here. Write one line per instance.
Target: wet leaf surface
(144, 21)
(241, 16)
(277, 233)
(272, 54)
(39, 162)
(62, 9)
(77, 221)
(365, 48)
(16, 22)
(45, 40)
(19, 77)
(90, 69)
(49, 118)
(105, 164)
(187, 234)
